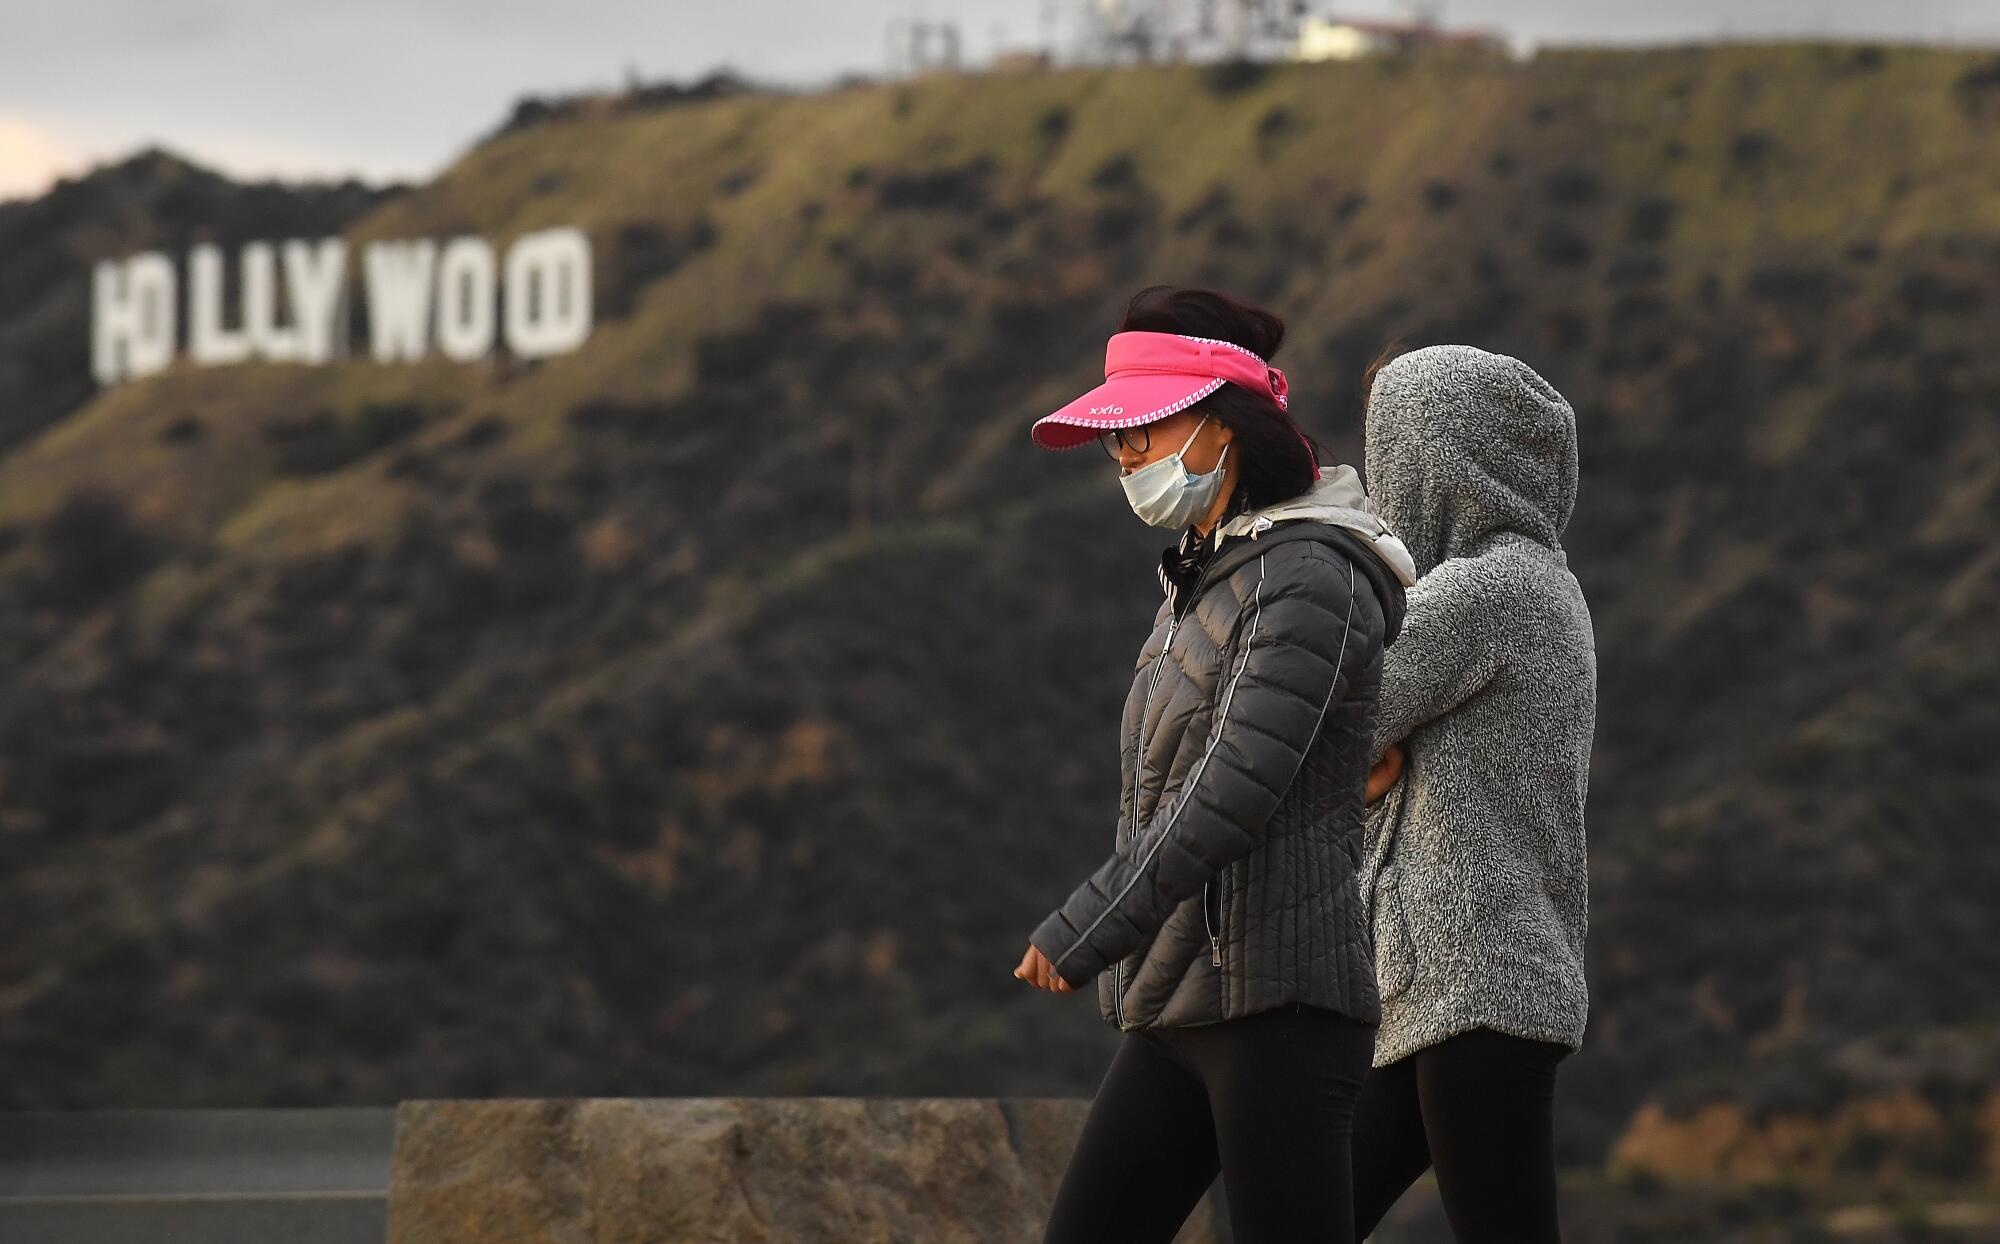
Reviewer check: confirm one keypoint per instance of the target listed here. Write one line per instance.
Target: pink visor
(1148, 375)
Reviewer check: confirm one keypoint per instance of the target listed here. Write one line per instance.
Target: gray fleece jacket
(1473, 863)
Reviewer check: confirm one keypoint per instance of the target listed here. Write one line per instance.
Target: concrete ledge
(938, 1170)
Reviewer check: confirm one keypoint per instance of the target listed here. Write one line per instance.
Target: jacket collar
(1336, 498)
(1319, 514)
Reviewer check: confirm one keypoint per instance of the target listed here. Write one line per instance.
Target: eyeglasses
(1134, 439)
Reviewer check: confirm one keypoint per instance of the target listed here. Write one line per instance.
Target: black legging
(1268, 1099)
(1477, 1106)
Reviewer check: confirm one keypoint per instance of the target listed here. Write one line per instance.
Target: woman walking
(1226, 932)
(1475, 853)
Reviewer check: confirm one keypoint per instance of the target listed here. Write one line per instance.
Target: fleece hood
(1462, 444)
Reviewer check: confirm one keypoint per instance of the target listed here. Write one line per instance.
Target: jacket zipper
(1138, 769)
(1214, 942)
(1258, 526)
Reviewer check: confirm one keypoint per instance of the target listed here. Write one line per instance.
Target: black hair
(1271, 460)
(1389, 353)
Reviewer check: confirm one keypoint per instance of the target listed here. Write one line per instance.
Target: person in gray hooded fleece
(1473, 862)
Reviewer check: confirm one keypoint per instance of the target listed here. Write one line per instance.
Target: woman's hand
(1385, 772)
(1037, 971)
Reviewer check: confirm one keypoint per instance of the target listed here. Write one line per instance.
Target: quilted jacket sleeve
(1451, 645)
(1299, 632)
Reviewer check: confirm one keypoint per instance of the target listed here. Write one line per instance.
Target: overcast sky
(396, 88)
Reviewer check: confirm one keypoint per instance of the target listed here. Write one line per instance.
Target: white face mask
(1165, 494)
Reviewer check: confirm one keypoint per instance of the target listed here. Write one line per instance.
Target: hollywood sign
(418, 295)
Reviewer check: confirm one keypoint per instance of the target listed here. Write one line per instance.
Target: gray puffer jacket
(1475, 863)
(1232, 887)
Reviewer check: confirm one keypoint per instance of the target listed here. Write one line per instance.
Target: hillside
(715, 709)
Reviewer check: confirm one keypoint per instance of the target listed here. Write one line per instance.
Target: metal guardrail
(301, 1176)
